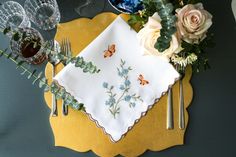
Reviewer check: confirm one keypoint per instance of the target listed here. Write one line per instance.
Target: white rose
(150, 33)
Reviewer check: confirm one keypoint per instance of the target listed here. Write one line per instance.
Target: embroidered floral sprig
(114, 100)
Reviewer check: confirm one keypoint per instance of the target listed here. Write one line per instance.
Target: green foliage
(6, 30)
(150, 9)
(142, 17)
(168, 19)
(200, 50)
(55, 89)
(176, 3)
(137, 19)
(191, 1)
(79, 62)
(37, 78)
(16, 36)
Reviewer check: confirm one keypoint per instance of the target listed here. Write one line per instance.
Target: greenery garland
(38, 78)
(54, 88)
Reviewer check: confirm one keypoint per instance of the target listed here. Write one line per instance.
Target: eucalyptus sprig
(77, 61)
(168, 20)
(168, 23)
(42, 82)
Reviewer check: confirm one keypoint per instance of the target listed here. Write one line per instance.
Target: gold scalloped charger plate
(77, 132)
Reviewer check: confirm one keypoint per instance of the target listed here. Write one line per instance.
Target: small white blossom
(183, 62)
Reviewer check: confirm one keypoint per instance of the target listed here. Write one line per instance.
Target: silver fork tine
(68, 47)
(64, 49)
(62, 46)
(65, 52)
(69, 52)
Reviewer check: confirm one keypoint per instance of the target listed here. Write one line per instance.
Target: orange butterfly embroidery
(142, 81)
(110, 51)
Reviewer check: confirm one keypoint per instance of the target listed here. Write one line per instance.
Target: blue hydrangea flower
(131, 6)
(127, 98)
(105, 85)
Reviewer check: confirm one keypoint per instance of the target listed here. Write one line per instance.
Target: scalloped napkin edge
(128, 85)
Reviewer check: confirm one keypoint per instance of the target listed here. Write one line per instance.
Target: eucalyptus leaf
(37, 78)
(9, 55)
(42, 82)
(1, 53)
(46, 88)
(31, 74)
(19, 64)
(16, 36)
(58, 91)
(6, 30)
(58, 95)
(69, 99)
(16, 57)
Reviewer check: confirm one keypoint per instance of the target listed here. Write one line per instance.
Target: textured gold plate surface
(76, 131)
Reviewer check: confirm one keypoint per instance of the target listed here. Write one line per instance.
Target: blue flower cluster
(112, 101)
(123, 72)
(105, 85)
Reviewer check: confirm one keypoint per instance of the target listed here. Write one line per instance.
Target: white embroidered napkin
(126, 87)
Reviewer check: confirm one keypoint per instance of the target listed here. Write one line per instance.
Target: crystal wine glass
(44, 13)
(13, 15)
(30, 46)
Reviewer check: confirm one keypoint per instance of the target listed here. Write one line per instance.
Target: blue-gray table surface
(24, 125)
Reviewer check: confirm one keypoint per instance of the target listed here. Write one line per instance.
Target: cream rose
(150, 33)
(193, 22)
